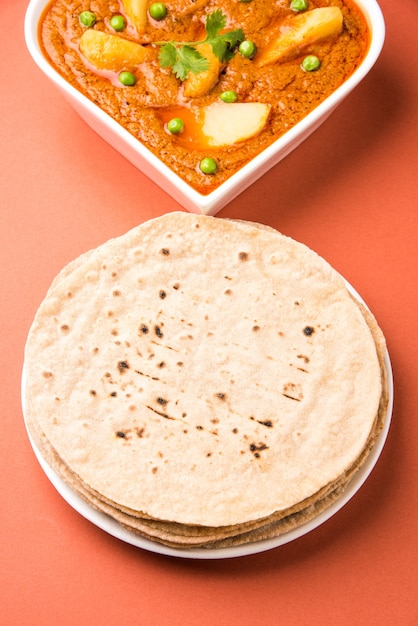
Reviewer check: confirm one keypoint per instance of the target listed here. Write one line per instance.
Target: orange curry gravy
(145, 108)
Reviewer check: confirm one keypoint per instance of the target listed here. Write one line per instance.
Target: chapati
(204, 381)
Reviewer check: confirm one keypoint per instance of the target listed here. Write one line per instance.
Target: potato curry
(205, 85)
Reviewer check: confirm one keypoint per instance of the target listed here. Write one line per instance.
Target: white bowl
(157, 171)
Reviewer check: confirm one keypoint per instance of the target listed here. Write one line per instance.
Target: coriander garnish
(183, 57)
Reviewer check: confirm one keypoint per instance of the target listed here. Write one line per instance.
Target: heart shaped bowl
(150, 165)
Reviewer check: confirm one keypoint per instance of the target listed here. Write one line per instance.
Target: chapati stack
(205, 382)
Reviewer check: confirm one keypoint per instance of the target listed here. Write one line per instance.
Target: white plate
(112, 527)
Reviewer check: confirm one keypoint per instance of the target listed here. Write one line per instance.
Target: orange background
(350, 193)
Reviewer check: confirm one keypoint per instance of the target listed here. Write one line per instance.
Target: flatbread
(204, 380)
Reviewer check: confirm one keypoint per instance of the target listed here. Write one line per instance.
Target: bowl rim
(256, 167)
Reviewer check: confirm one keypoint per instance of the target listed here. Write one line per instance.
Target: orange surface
(350, 192)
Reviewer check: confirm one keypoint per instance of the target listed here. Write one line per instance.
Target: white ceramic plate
(151, 166)
(112, 527)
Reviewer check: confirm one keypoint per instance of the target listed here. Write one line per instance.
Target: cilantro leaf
(189, 60)
(215, 22)
(222, 45)
(183, 57)
(167, 55)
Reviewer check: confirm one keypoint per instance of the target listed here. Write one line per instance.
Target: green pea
(299, 5)
(245, 0)
(117, 22)
(208, 165)
(127, 79)
(87, 18)
(228, 96)
(158, 10)
(310, 63)
(175, 126)
(247, 49)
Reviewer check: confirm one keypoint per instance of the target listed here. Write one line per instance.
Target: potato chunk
(227, 124)
(136, 11)
(111, 52)
(197, 85)
(298, 31)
